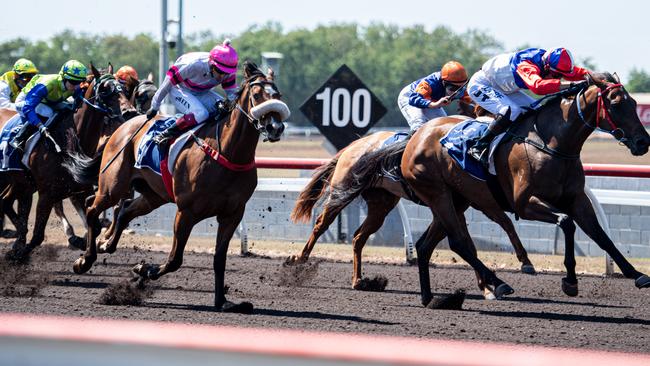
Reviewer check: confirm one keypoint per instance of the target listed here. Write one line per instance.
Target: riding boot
(183, 123)
(480, 150)
(26, 131)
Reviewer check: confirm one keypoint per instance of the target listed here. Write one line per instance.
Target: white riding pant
(415, 116)
(494, 99)
(201, 104)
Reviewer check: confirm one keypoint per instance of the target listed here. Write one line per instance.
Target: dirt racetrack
(609, 314)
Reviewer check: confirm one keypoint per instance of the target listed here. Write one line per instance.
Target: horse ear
(618, 79)
(590, 79)
(150, 77)
(94, 70)
(110, 68)
(270, 74)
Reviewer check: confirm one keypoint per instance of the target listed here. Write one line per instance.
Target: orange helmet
(124, 72)
(453, 72)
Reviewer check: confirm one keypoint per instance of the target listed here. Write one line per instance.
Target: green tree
(639, 81)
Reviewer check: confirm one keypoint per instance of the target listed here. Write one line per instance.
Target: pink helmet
(224, 57)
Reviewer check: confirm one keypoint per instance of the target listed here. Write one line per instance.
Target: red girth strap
(214, 154)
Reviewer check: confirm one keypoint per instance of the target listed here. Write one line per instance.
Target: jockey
(423, 99)
(122, 74)
(189, 82)
(12, 82)
(44, 94)
(500, 84)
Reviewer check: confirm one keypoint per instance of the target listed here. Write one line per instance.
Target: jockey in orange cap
(500, 84)
(423, 99)
(124, 72)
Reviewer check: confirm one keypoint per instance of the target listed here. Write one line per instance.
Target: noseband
(270, 88)
(601, 107)
(100, 98)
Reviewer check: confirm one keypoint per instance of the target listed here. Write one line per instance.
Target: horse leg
(10, 213)
(585, 217)
(43, 210)
(323, 222)
(183, 225)
(227, 226)
(460, 242)
(131, 208)
(380, 203)
(24, 206)
(74, 241)
(536, 209)
(498, 216)
(111, 228)
(424, 247)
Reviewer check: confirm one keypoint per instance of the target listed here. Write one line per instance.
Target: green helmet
(74, 70)
(25, 66)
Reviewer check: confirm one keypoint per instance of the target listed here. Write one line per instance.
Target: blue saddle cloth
(458, 140)
(10, 157)
(397, 137)
(149, 155)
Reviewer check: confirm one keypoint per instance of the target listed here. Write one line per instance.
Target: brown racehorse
(538, 168)
(380, 199)
(104, 102)
(202, 187)
(140, 93)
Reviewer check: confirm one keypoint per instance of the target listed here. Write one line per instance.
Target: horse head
(259, 99)
(143, 94)
(616, 112)
(105, 94)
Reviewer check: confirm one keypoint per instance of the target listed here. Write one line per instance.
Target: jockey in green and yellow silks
(12, 82)
(42, 95)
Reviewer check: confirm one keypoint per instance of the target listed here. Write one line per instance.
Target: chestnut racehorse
(380, 199)
(538, 167)
(103, 104)
(202, 187)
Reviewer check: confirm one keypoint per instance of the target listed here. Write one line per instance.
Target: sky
(613, 34)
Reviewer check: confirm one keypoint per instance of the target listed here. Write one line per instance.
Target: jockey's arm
(5, 96)
(161, 93)
(578, 74)
(230, 87)
(33, 99)
(530, 74)
(421, 97)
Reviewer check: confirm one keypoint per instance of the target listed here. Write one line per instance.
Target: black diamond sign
(343, 109)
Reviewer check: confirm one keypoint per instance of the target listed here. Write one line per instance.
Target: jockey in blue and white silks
(499, 87)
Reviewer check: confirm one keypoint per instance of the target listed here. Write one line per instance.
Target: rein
(100, 105)
(215, 154)
(601, 107)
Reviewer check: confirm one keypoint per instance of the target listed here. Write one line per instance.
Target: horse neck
(567, 132)
(239, 138)
(90, 128)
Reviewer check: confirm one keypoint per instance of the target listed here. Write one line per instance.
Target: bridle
(100, 97)
(601, 107)
(273, 91)
(140, 94)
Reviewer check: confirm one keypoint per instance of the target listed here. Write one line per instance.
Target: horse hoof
(503, 290)
(105, 248)
(17, 256)
(148, 271)
(241, 308)
(80, 266)
(488, 295)
(76, 242)
(528, 269)
(570, 289)
(642, 282)
(376, 284)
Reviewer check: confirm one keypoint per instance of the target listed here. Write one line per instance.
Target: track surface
(609, 314)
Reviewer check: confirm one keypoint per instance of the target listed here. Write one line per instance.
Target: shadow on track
(566, 317)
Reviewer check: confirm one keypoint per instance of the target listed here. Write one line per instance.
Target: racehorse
(202, 187)
(103, 104)
(538, 167)
(140, 93)
(380, 199)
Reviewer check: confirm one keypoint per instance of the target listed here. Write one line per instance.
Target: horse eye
(257, 96)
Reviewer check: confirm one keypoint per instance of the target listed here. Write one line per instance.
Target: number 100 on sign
(340, 107)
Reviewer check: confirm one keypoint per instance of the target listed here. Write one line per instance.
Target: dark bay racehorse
(202, 187)
(140, 93)
(542, 180)
(102, 108)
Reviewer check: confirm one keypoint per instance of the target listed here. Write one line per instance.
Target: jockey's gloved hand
(579, 84)
(151, 113)
(41, 128)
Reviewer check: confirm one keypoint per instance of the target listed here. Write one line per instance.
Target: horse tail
(364, 173)
(83, 168)
(313, 192)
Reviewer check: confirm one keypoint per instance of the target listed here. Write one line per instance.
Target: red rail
(609, 170)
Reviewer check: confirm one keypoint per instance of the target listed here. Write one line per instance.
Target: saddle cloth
(461, 138)
(10, 158)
